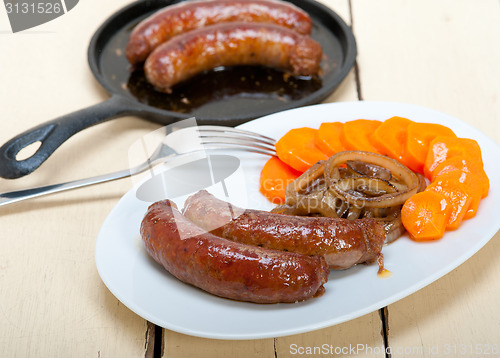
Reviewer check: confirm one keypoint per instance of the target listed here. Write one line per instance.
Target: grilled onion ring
(402, 174)
(309, 194)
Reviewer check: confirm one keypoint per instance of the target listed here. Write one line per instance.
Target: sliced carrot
(390, 137)
(471, 183)
(418, 138)
(274, 178)
(466, 165)
(357, 133)
(297, 149)
(445, 147)
(425, 215)
(459, 198)
(328, 138)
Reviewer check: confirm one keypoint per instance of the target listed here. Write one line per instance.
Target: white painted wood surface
(442, 54)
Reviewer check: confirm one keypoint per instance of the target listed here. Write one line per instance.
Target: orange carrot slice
(328, 138)
(274, 178)
(390, 137)
(445, 147)
(357, 133)
(465, 165)
(459, 197)
(418, 138)
(425, 215)
(297, 149)
(472, 184)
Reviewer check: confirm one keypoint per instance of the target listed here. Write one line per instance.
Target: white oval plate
(148, 290)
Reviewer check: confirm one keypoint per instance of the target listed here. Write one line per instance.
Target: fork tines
(220, 137)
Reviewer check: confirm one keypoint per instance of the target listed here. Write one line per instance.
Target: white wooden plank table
(441, 54)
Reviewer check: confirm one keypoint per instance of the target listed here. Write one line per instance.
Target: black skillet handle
(55, 132)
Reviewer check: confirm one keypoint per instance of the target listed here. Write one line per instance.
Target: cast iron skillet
(225, 97)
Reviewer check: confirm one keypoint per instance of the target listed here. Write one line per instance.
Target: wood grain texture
(180, 345)
(360, 337)
(440, 54)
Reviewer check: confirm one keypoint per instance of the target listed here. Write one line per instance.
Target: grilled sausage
(189, 15)
(231, 44)
(343, 243)
(225, 268)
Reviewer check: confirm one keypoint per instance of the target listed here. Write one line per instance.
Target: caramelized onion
(367, 169)
(393, 229)
(305, 184)
(354, 185)
(400, 173)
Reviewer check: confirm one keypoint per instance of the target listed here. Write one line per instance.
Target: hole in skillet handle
(13, 164)
(53, 133)
(28, 151)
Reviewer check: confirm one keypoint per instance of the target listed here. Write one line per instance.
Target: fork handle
(19, 195)
(16, 196)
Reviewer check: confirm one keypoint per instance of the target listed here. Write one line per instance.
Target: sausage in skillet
(231, 44)
(188, 15)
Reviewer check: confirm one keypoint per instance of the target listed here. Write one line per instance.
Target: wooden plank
(443, 55)
(360, 337)
(180, 345)
(52, 301)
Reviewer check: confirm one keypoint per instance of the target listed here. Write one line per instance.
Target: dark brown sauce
(244, 82)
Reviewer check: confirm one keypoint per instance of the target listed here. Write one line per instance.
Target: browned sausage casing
(231, 44)
(343, 243)
(189, 15)
(226, 268)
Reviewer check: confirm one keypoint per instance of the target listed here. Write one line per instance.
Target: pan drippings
(260, 85)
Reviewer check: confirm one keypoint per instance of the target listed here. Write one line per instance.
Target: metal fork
(181, 142)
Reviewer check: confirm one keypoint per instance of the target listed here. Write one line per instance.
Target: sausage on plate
(188, 15)
(343, 243)
(231, 44)
(226, 268)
